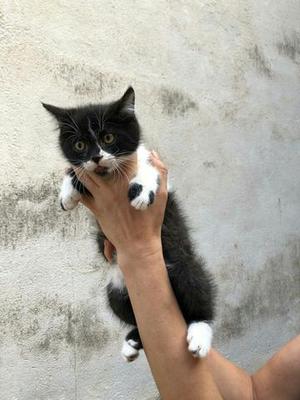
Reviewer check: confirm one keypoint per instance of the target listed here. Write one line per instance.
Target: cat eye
(80, 146)
(108, 138)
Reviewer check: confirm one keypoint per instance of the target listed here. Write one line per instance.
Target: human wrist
(140, 253)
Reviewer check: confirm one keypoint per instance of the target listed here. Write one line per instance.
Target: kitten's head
(98, 137)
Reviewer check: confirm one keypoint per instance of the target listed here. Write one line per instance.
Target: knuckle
(164, 170)
(164, 193)
(163, 173)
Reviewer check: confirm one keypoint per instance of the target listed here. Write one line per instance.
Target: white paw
(68, 203)
(199, 339)
(69, 196)
(140, 196)
(129, 352)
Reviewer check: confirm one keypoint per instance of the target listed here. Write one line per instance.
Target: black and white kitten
(101, 138)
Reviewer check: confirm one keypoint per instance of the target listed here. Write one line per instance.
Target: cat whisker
(99, 122)
(73, 127)
(74, 122)
(120, 169)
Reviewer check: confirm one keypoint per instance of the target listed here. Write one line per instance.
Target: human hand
(129, 230)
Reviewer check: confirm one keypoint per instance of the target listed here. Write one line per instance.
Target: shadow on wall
(269, 292)
(89, 83)
(34, 210)
(290, 46)
(49, 325)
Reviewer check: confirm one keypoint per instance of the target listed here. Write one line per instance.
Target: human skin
(136, 237)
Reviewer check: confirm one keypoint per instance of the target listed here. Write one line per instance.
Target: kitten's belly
(115, 277)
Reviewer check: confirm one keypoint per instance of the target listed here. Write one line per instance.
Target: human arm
(163, 331)
(279, 378)
(136, 237)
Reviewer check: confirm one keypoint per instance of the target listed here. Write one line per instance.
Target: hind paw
(129, 352)
(199, 339)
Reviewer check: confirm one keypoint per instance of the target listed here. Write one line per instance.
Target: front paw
(140, 196)
(68, 204)
(68, 196)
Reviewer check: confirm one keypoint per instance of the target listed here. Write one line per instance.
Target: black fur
(134, 335)
(151, 197)
(77, 184)
(192, 284)
(134, 191)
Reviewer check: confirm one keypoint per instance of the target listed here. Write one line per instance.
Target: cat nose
(96, 159)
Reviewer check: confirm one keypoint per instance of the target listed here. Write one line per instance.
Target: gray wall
(218, 95)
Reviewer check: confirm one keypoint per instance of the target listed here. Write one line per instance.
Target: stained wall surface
(218, 95)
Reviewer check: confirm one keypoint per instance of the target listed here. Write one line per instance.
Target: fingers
(88, 179)
(155, 160)
(109, 250)
(163, 171)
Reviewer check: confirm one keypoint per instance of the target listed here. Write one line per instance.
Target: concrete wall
(218, 95)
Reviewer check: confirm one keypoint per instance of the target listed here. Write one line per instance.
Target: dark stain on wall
(270, 292)
(277, 133)
(85, 80)
(33, 210)
(50, 325)
(176, 103)
(288, 134)
(289, 46)
(209, 164)
(261, 63)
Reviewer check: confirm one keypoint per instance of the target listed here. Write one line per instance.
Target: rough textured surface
(218, 94)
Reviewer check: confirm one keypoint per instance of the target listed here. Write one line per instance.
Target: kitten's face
(98, 137)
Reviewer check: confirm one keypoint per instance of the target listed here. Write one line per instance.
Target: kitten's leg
(144, 185)
(193, 288)
(131, 346)
(68, 196)
(199, 338)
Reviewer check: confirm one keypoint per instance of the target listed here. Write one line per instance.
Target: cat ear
(126, 103)
(58, 113)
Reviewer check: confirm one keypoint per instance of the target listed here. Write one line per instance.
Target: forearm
(279, 378)
(233, 382)
(163, 331)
